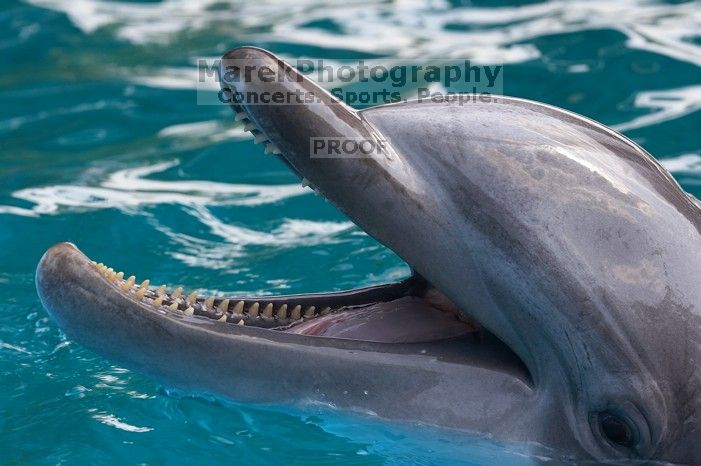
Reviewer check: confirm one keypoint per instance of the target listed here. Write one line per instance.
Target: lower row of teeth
(240, 312)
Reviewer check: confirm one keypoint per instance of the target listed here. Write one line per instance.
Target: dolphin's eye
(617, 430)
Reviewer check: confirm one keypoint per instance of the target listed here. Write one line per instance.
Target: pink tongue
(405, 320)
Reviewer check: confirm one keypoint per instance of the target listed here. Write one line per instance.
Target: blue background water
(102, 144)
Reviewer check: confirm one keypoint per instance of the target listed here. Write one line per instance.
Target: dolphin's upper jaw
(270, 147)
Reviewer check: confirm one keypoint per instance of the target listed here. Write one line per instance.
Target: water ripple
(128, 189)
(667, 105)
(113, 421)
(403, 29)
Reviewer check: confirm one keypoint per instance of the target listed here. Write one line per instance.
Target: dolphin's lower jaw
(201, 344)
(430, 315)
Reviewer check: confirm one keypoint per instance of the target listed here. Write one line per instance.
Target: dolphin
(554, 298)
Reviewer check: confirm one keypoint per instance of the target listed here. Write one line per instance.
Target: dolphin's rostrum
(555, 297)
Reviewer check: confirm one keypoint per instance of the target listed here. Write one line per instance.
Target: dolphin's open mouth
(405, 311)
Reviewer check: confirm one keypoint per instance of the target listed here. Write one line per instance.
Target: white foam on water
(666, 105)
(401, 29)
(231, 243)
(169, 77)
(113, 421)
(225, 244)
(129, 188)
(686, 163)
(211, 130)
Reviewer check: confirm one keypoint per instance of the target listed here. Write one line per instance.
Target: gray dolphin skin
(555, 298)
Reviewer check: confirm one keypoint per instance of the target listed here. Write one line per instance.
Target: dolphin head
(563, 238)
(555, 290)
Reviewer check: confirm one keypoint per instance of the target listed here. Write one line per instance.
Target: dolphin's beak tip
(233, 61)
(54, 253)
(63, 246)
(246, 52)
(54, 269)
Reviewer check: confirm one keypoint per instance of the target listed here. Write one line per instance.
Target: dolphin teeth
(161, 298)
(271, 148)
(253, 310)
(268, 310)
(129, 283)
(142, 290)
(240, 116)
(209, 302)
(249, 126)
(223, 306)
(282, 312)
(259, 138)
(309, 312)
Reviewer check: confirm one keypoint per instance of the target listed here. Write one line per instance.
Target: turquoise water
(102, 143)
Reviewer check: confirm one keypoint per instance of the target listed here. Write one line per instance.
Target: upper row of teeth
(258, 136)
(159, 298)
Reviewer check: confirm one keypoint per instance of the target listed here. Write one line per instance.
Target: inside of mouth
(406, 311)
